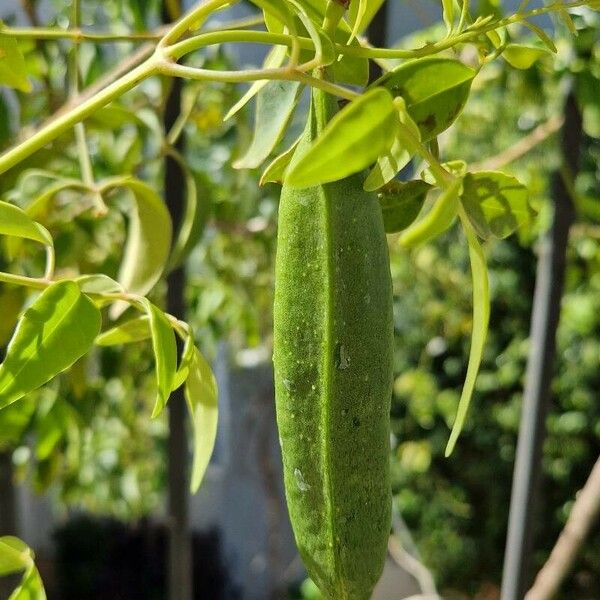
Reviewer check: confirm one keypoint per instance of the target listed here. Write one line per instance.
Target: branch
(523, 146)
(78, 35)
(583, 516)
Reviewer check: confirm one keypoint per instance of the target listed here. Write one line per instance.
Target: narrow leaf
(15, 556)
(542, 35)
(481, 318)
(56, 330)
(148, 241)
(275, 171)
(361, 13)
(523, 57)
(274, 59)
(98, 284)
(448, 13)
(436, 221)
(399, 155)
(165, 354)
(134, 330)
(16, 222)
(31, 587)
(275, 105)
(351, 141)
(194, 218)
(201, 397)
(184, 365)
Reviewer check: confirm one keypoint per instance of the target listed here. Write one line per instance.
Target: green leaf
(523, 57)
(275, 105)
(436, 221)
(194, 218)
(542, 35)
(56, 330)
(165, 354)
(31, 587)
(39, 206)
(98, 284)
(401, 202)
(148, 241)
(133, 330)
(352, 140)
(399, 155)
(481, 319)
(387, 166)
(16, 222)
(448, 13)
(458, 168)
(274, 59)
(201, 397)
(275, 171)
(361, 13)
(277, 15)
(15, 556)
(435, 90)
(497, 204)
(184, 366)
(13, 71)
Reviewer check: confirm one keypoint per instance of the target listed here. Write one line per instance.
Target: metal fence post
(545, 317)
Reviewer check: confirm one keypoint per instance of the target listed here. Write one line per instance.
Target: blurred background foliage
(88, 437)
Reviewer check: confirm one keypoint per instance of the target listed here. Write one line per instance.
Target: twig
(403, 552)
(583, 516)
(523, 146)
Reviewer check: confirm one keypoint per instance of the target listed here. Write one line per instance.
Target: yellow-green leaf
(436, 221)
(351, 141)
(481, 319)
(401, 203)
(496, 204)
(133, 330)
(523, 57)
(148, 240)
(201, 397)
(56, 330)
(165, 354)
(16, 222)
(435, 90)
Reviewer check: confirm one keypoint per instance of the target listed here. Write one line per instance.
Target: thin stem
(177, 50)
(284, 73)
(31, 282)
(77, 35)
(85, 162)
(50, 262)
(54, 128)
(193, 19)
(442, 176)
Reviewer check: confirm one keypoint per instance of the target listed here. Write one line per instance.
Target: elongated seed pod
(333, 342)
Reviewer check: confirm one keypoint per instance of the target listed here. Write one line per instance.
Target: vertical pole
(545, 317)
(180, 559)
(180, 583)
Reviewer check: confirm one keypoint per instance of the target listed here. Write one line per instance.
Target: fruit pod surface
(333, 346)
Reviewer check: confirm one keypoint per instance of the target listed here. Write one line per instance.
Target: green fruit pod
(333, 347)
